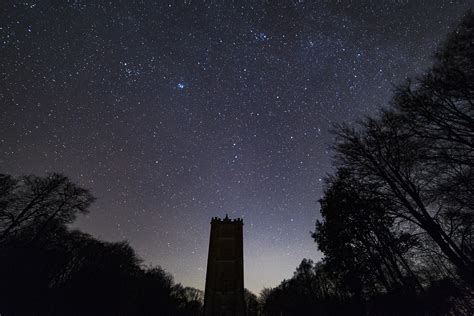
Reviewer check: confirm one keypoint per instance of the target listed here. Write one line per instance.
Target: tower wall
(224, 292)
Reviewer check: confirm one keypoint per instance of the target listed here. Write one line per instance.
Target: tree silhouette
(357, 237)
(417, 156)
(47, 269)
(396, 225)
(251, 303)
(36, 202)
(397, 216)
(438, 110)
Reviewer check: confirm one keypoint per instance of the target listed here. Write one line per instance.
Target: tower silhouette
(224, 293)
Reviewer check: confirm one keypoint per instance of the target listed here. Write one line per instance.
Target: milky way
(175, 112)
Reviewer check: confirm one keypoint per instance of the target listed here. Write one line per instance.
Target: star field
(175, 112)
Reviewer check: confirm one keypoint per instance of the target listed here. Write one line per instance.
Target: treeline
(397, 215)
(48, 269)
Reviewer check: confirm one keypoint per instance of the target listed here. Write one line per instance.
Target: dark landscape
(225, 158)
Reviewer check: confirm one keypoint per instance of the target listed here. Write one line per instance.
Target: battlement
(227, 220)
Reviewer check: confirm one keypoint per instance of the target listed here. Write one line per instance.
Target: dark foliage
(47, 269)
(251, 303)
(397, 217)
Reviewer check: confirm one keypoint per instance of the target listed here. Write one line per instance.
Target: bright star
(180, 85)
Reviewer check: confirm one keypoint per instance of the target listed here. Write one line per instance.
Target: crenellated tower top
(227, 220)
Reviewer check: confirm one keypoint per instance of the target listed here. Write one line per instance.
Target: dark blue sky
(175, 112)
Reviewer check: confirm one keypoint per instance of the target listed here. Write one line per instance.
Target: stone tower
(224, 294)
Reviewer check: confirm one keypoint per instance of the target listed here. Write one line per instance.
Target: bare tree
(32, 201)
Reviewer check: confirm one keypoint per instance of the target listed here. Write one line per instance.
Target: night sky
(175, 112)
